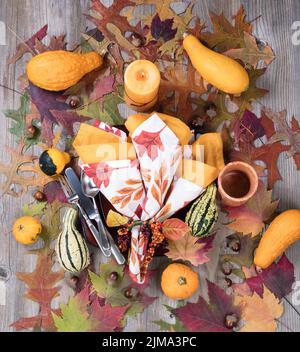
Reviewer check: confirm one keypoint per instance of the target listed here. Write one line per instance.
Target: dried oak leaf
(17, 181)
(226, 35)
(251, 217)
(114, 294)
(53, 191)
(278, 278)
(53, 110)
(253, 92)
(259, 313)
(278, 129)
(245, 256)
(209, 316)
(162, 29)
(248, 128)
(28, 46)
(251, 53)
(189, 248)
(41, 289)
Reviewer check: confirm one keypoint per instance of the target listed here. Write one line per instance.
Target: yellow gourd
(27, 229)
(212, 149)
(283, 231)
(59, 70)
(178, 281)
(180, 129)
(219, 70)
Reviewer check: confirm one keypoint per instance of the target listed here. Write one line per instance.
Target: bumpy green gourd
(71, 249)
(203, 214)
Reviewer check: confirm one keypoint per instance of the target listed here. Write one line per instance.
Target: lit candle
(141, 81)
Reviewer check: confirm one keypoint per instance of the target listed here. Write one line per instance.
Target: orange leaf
(155, 194)
(138, 194)
(174, 229)
(260, 314)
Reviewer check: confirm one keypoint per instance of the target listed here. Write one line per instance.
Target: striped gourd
(203, 214)
(71, 249)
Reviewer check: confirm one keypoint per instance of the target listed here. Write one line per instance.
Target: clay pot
(237, 183)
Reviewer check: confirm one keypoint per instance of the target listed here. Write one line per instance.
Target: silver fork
(74, 199)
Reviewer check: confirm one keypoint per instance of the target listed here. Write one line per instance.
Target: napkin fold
(148, 178)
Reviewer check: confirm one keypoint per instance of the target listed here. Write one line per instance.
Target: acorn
(231, 321)
(136, 39)
(113, 277)
(74, 101)
(53, 161)
(128, 293)
(30, 131)
(39, 196)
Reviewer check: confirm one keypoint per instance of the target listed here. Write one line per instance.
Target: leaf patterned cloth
(150, 186)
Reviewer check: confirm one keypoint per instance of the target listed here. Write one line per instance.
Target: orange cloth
(94, 145)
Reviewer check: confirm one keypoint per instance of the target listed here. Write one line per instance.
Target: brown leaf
(251, 54)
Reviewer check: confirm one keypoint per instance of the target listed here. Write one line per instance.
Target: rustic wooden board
(283, 79)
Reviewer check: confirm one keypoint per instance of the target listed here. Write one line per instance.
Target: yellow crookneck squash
(217, 69)
(283, 231)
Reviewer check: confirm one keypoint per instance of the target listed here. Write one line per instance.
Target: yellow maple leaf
(115, 219)
(260, 314)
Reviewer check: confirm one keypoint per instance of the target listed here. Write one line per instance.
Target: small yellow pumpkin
(59, 69)
(179, 281)
(27, 229)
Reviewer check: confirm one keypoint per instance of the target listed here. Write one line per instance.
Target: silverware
(83, 207)
(90, 190)
(88, 207)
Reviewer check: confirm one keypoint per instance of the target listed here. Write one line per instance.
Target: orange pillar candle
(141, 81)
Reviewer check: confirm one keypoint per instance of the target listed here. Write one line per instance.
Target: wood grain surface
(24, 17)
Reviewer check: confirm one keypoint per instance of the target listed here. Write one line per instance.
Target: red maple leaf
(150, 143)
(208, 317)
(278, 278)
(41, 289)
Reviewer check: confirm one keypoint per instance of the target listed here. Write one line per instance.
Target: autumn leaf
(53, 110)
(114, 294)
(174, 229)
(245, 256)
(259, 313)
(251, 53)
(248, 128)
(16, 181)
(35, 209)
(190, 249)
(19, 122)
(251, 217)
(168, 327)
(28, 46)
(102, 87)
(244, 101)
(115, 219)
(209, 316)
(82, 314)
(278, 278)
(53, 191)
(226, 35)
(162, 29)
(42, 289)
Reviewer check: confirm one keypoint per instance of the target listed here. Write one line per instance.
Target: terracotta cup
(249, 176)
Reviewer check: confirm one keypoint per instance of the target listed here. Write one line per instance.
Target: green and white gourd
(71, 249)
(203, 213)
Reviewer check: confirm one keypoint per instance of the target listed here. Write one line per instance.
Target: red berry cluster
(156, 239)
(124, 237)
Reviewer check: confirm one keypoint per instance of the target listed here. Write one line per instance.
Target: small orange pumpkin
(179, 281)
(27, 229)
